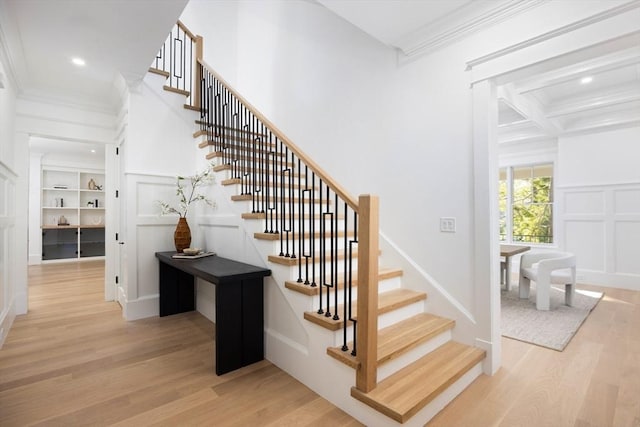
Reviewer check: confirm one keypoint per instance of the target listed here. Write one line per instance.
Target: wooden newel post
(197, 96)
(367, 326)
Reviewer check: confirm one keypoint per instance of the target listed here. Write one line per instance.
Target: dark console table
(239, 339)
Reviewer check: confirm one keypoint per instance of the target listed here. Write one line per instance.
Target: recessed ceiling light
(78, 61)
(93, 151)
(586, 80)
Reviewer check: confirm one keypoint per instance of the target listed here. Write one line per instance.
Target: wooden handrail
(186, 30)
(367, 209)
(337, 188)
(197, 96)
(367, 326)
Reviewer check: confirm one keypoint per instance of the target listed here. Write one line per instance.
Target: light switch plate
(448, 225)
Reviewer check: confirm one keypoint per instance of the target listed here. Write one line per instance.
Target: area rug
(552, 329)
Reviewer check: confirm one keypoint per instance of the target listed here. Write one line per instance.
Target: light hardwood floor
(73, 361)
(594, 382)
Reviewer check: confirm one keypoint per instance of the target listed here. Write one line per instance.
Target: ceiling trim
(628, 94)
(598, 65)
(6, 57)
(528, 109)
(471, 18)
(609, 13)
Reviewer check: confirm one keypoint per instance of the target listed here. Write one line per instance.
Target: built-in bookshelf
(72, 217)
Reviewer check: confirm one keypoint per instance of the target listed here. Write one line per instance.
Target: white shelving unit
(72, 217)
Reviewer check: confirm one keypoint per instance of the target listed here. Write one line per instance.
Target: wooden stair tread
(387, 301)
(191, 107)
(404, 393)
(307, 235)
(261, 157)
(176, 90)
(238, 181)
(159, 72)
(287, 260)
(229, 130)
(262, 216)
(300, 287)
(242, 142)
(296, 200)
(224, 167)
(399, 338)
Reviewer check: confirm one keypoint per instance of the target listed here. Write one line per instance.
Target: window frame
(509, 168)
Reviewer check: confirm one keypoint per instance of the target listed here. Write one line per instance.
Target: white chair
(546, 268)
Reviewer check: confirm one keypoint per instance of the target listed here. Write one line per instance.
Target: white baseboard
(6, 320)
(609, 280)
(141, 308)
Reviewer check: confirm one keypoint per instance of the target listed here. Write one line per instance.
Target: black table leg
(177, 291)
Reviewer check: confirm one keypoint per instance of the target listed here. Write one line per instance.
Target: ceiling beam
(598, 65)
(628, 94)
(528, 109)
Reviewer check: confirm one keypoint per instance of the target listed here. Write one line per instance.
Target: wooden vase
(182, 235)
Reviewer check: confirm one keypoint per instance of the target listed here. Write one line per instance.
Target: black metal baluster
(277, 189)
(292, 206)
(323, 254)
(321, 248)
(312, 222)
(334, 259)
(345, 278)
(353, 242)
(284, 236)
(191, 74)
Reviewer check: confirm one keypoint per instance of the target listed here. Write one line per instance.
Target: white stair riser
(394, 365)
(292, 274)
(387, 319)
(247, 206)
(306, 248)
(383, 286)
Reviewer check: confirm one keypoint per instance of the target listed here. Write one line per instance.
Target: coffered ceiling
(43, 35)
(598, 94)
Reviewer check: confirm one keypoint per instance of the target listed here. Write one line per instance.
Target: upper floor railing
(177, 58)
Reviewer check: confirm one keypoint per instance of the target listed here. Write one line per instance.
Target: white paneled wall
(601, 225)
(598, 194)
(146, 233)
(7, 233)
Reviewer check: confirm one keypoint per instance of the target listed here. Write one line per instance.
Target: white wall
(403, 129)
(157, 146)
(12, 274)
(598, 190)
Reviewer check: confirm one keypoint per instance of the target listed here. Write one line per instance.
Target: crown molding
(609, 13)
(13, 65)
(66, 101)
(469, 19)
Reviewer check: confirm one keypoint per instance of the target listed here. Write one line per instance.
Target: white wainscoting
(147, 232)
(601, 225)
(7, 235)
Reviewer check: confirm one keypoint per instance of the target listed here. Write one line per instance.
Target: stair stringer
(173, 101)
(306, 359)
(440, 302)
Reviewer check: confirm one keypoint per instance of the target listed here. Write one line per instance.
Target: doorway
(68, 204)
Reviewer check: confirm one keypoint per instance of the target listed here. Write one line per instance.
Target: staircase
(322, 246)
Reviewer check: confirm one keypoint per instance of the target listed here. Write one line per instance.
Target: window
(526, 204)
